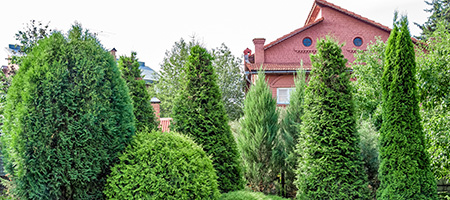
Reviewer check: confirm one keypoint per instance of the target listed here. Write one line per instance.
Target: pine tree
(68, 115)
(330, 164)
(404, 171)
(289, 133)
(440, 13)
(199, 113)
(258, 135)
(142, 108)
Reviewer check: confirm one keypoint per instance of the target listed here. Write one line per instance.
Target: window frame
(289, 93)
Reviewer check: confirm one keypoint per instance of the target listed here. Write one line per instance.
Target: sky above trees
(151, 28)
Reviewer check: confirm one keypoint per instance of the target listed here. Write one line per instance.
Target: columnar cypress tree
(199, 112)
(258, 135)
(68, 115)
(405, 165)
(289, 133)
(142, 108)
(330, 164)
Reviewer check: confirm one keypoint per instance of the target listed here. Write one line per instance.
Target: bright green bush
(142, 108)
(199, 113)
(162, 166)
(68, 115)
(405, 171)
(247, 195)
(330, 164)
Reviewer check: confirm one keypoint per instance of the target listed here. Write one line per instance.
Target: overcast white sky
(152, 27)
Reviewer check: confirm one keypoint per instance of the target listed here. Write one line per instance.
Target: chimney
(259, 50)
(155, 104)
(113, 53)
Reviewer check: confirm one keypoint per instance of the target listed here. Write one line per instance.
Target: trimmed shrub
(142, 108)
(67, 117)
(259, 135)
(247, 195)
(405, 171)
(162, 166)
(330, 164)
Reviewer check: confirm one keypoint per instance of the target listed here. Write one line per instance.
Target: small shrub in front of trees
(160, 165)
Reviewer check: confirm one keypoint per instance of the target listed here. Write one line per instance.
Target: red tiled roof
(287, 36)
(276, 66)
(345, 11)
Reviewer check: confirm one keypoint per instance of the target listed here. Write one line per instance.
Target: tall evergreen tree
(258, 135)
(68, 115)
(142, 108)
(330, 165)
(289, 133)
(199, 112)
(440, 13)
(405, 164)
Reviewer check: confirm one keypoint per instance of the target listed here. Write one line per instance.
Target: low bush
(162, 166)
(247, 195)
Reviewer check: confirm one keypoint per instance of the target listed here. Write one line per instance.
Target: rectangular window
(284, 95)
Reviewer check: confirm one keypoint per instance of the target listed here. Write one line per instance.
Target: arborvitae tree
(288, 137)
(258, 135)
(68, 115)
(142, 108)
(405, 164)
(330, 164)
(199, 113)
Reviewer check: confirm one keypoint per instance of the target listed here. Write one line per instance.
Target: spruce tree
(404, 171)
(258, 135)
(67, 117)
(199, 113)
(289, 133)
(330, 164)
(142, 108)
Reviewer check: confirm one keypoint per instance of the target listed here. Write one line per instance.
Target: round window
(357, 41)
(307, 42)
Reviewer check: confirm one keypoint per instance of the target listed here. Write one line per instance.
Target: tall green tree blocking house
(330, 165)
(284, 154)
(258, 136)
(405, 164)
(199, 113)
(68, 115)
(142, 108)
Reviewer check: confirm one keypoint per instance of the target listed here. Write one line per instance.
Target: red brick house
(281, 58)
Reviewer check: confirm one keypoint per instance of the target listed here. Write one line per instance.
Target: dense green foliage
(440, 13)
(284, 155)
(247, 195)
(68, 115)
(231, 82)
(199, 113)
(258, 136)
(330, 165)
(162, 166)
(405, 164)
(369, 152)
(142, 108)
(172, 77)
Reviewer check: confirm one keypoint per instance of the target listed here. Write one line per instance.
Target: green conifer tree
(289, 132)
(258, 135)
(404, 171)
(199, 113)
(67, 117)
(330, 164)
(142, 108)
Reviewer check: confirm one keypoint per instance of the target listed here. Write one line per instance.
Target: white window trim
(289, 92)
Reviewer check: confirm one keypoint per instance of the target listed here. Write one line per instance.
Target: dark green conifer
(199, 113)
(330, 164)
(142, 108)
(68, 115)
(258, 136)
(404, 171)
